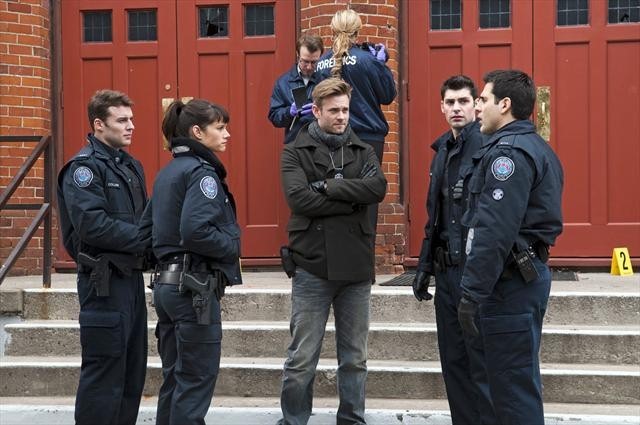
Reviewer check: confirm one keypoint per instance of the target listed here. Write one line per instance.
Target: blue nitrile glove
(306, 109)
(381, 53)
(293, 111)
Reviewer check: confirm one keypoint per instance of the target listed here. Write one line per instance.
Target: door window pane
(258, 19)
(96, 26)
(214, 21)
(573, 12)
(495, 13)
(623, 11)
(143, 25)
(445, 14)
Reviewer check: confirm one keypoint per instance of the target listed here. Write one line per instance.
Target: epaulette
(507, 141)
(206, 164)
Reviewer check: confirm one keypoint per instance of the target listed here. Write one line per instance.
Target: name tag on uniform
(113, 185)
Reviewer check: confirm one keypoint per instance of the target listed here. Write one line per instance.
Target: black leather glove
(467, 311)
(319, 186)
(369, 170)
(457, 189)
(421, 286)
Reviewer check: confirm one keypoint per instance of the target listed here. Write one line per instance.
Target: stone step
(266, 410)
(251, 377)
(388, 304)
(387, 341)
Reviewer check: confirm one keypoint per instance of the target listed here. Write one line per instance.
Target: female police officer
(196, 240)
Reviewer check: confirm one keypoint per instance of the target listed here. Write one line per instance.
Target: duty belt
(169, 273)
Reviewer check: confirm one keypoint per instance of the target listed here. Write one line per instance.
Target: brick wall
(25, 109)
(380, 25)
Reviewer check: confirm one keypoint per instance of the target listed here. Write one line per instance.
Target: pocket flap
(99, 319)
(507, 323)
(193, 333)
(298, 223)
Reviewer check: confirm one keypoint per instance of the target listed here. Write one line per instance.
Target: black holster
(202, 291)
(102, 265)
(288, 264)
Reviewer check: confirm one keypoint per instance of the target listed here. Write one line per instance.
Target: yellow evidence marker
(621, 262)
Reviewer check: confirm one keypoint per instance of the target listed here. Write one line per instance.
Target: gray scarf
(333, 141)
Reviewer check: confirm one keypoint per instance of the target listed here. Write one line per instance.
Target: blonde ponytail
(345, 25)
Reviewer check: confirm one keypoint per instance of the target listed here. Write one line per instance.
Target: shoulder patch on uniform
(209, 187)
(502, 168)
(83, 176)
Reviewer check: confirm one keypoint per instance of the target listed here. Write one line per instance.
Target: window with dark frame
(573, 12)
(445, 14)
(96, 26)
(214, 21)
(143, 25)
(495, 13)
(624, 11)
(258, 20)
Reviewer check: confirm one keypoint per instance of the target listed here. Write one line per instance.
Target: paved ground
(587, 282)
(62, 414)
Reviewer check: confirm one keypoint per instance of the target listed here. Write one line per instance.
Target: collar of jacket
(513, 128)
(294, 76)
(440, 141)
(321, 154)
(102, 150)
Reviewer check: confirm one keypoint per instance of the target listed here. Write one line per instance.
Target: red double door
(588, 77)
(227, 52)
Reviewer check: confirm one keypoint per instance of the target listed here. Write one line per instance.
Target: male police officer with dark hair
(514, 215)
(442, 254)
(101, 197)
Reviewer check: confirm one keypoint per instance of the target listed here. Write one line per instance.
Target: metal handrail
(44, 210)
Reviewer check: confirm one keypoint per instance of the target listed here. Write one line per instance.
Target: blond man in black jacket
(330, 179)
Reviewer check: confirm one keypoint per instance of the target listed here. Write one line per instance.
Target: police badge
(209, 187)
(82, 176)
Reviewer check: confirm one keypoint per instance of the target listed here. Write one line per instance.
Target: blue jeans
(312, 297)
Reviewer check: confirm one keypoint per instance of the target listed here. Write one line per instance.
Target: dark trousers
(378, 147)
(113, 334)
(190, 356)
(511, 328)
(461, 357)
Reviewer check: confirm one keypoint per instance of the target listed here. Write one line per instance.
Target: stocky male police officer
(101, 197)
(514, 215)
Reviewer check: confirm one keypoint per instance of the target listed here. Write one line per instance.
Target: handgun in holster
(202, 290)
(288, 264)
(100, 272)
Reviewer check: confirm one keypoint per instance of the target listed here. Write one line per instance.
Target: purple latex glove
(381, 53)
(293, 111)
(306, 109)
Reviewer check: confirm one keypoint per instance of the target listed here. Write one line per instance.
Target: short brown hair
(328, 88)
(102, 100)
(311, 41)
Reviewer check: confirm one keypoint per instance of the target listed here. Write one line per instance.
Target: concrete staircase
(590, 349)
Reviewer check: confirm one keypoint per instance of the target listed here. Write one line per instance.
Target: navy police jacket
(192, 212)
(470, 140)
(373, 85)
(282, 98)
(515, 201)
(96, 201)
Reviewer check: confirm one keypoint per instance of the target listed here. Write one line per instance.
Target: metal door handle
(543, 112)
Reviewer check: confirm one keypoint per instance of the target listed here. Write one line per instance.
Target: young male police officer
(101, 197)
(442, 254)
(283, 111)
(514, 215)
(330, 178)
